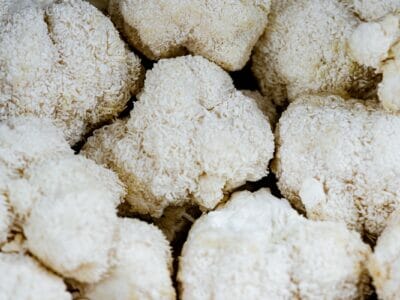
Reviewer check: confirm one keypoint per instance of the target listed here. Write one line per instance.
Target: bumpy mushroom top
(377, 44)
(191, 137)
(71, 228)
(143, 265)
(23, 142)
(65, 61)
(64, 204)
(303, 50)
(339, 160)
(26, 140)
(224, 31)
(22, 278)
(257, 245)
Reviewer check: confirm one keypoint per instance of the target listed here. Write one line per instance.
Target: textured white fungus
(22, 278)
(71, 228)
(257, 246)
(64, 61)
(377, 44)
(190, 137)
(303, 50)
(384, 265)
(340, 160)
(223, 31)
(370, 10)
(64, 204)
(143, 264)
(265, 104)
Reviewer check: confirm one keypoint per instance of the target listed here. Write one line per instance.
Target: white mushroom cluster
(51, 196)
(190, 137)
(21, 277)
(65, 61)
(224, 31)
(199, 149)
(64, 206)
(377, 44)
(337, 160)
(142, 268)
(257, 245)
(303, 50)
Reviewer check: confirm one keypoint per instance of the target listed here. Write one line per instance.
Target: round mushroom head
(303, 50)
(190, 137)
(377, 44)
(257, 245)
(64, 61)
(142, 269)
(21, 278)
(338, 160)
(223, 31)
(72, 225)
